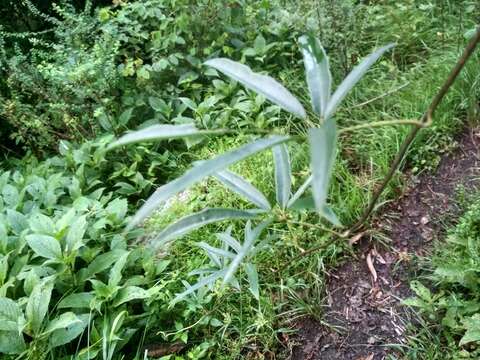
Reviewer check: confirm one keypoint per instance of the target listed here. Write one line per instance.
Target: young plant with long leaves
(322, 140)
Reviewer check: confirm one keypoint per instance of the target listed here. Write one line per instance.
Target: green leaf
(261, 84)
(472, 334)
(250, 237)
(102, 262)
(125, 116)
(9, 314)
(41, 224)
(328, 214)
(203, 282)
(75, 234)
(197, 220)
(252, 275)
(45, 246)
(116, 272)
(63, 321)
(11, 342)
(17, 221)
(10, 194)
(283, 171)
(322, 155)
(349, 82)
(65, 335)
(37, 304)
(206, 168)
(156, 132)
(421, 291)
(242, 187)
(130, 293)
(317, 71)
(76, 301)
(301, 190)
(159, 105)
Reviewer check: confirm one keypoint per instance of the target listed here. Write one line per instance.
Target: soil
(364, 295)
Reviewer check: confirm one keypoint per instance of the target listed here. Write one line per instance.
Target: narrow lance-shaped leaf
(243, 188)
(300, 191)
(200, 171)
(197, 220)
(262, 84)
(250, 237)
(355, 75)
(322, 155)
(252, 274)
(157, 132)
(317, 72)
(283, 171)
(203, 282)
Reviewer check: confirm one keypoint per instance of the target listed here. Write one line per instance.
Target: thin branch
(390, 92)
(426, 120)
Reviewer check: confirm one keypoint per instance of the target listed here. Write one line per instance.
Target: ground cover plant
(77, 75)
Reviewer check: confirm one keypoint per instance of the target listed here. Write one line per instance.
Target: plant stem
(425, 120)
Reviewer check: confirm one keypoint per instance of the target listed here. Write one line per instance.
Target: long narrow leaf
(242, 187)
(322, 154)
(317, 71)
(262, 84)
(197, 220)
(200, 171)
(283, 171)
(203, 282)
(250, 237)
(355, 75)
(157, 132)
(216, 251)
(252, 275)
(300, 191)
(229, 240)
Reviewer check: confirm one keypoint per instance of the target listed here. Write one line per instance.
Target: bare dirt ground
(364, 294)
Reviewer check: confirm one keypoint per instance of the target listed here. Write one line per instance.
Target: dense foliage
(79, 280)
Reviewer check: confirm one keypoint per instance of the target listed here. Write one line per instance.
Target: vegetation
(102, 102)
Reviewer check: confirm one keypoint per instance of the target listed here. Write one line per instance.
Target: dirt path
(365, 306)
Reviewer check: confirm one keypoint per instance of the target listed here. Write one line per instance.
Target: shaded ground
(364, 294)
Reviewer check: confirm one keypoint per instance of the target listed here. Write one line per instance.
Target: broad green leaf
(37, 304)
(283, 171)
(17, 221)
(301, 190)
(252, 275)
(45, 246)
(76, 301)
(197, 220)
(62, 321)
(9, 314)
(472, 334)
(157, 132)
(322, 155)
(262, 84)
(65, 335)
(3, 268)
(75, 234)
(102, 262)
(41, 224)
(349, 82)
(116, 272)
(243, 188)
(317, 72)
(206, 168)
(130, 293)
(10, 195)
(125, 116)
(11, 342)
(421, 291)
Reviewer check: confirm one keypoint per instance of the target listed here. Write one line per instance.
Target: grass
(290, 290)
(231, 323)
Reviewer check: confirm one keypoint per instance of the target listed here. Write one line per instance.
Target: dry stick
(425, 121)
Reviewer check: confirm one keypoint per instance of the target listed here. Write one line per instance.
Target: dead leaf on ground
(371, 268)
(356, 238)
